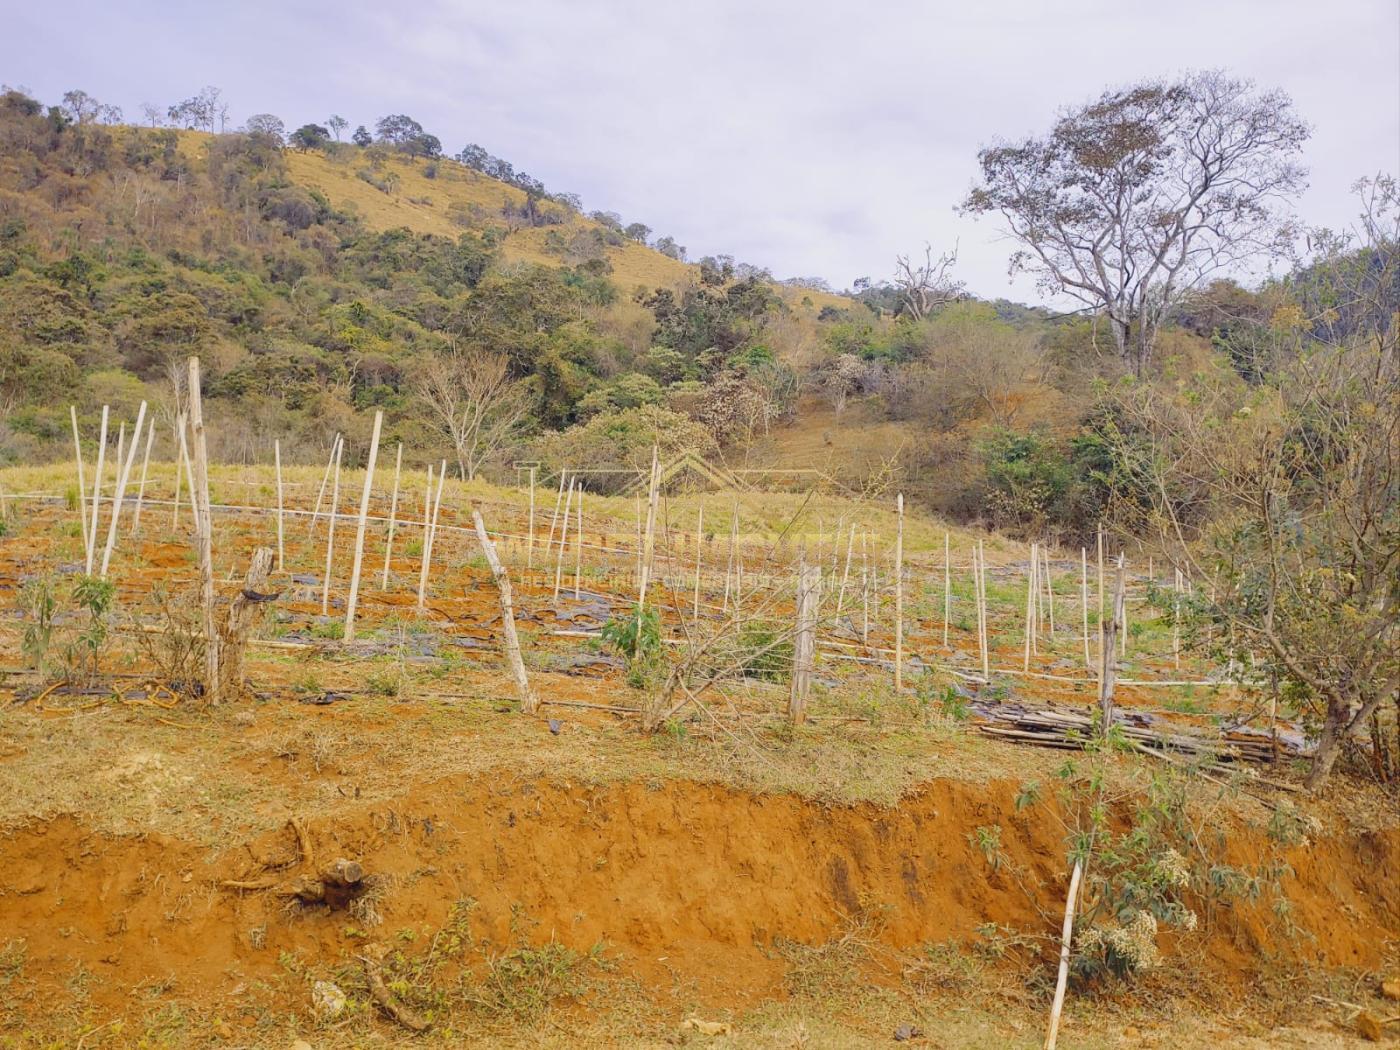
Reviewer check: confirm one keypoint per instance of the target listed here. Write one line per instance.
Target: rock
(1369, 1026)
(1390, 988)
(328, 999)
(905, 1032)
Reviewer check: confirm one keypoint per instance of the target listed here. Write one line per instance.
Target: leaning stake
(358, 560)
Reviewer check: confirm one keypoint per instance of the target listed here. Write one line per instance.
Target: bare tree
(1138, 197)
(924, 287)
(476, 401)
(337, 124)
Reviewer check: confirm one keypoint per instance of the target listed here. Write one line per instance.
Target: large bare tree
(1135, 199)
(477, 403)
(925, 286)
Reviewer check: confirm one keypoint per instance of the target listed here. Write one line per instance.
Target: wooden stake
(899, 593)
(325, 479)
(554, 518)
(1123, 627)
(864, 591)
(804, 639)
(530, 537)
(1108, 674)
(1066, 936)
(96, 494)
(529, 703)
(699, 556)
(1084, 602)
(204, 532)
(141, 489)
(845, 572)
(277, 460)
(82, 481)
(1049, 579)
(563, 540)
(393, 516)
(430, 535)
(1030, 609)
(1176, 619)
(1101, 609)
(123, 475)
(354, 597)
(189, 470)
(180, 453)
(649, 539)
(578, 545)
(733, 546)
(330, 532)
(982, 601)
(121, 445)
(947, 588)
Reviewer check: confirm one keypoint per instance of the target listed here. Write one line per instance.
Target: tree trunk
(1329, 746)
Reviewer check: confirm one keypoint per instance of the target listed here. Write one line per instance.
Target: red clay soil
(680, 880)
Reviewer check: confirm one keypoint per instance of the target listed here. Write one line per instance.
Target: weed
(39, 605)
(93, 596)
(987, 838)
(329, 629)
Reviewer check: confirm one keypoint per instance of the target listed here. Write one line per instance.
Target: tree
(398, 128)
(310, 136)
(203, 110)
(81, 108)
(474, 156)
(638, 231)
(1135, 199)
(361, 137)
(337, 124)
(266, 124)
(1282, 497)
(476, 401)
(667, 246)
(924, 287)
(153, 114)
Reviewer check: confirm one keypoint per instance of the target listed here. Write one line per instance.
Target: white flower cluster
(1135, 942)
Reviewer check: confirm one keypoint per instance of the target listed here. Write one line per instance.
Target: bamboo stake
(330, 532)
(1176, 619)
(355, 565)
(637, 505)
(123, 475)
(96, 493)
(430, 534)
(529, 703)
(733, 544)
(530, 539)
(699, 556)
(141, 489)
(121, 445)
(393, 516)
(277, 461)
(845, 572)
(1123, 627)
(325, 479)
(180, 454)
(563, 540)
(1109, 671)
(1084, 601)
(1066, 936)
(947, 588)
(578, 546)
(899, 594)
(1045, 574)
(1030, 609)
(1101, 610)
(982, 600)
(864, 591)
(649, 539)
(204, 532)
(189, 470)
(82, 481)
(554, 518)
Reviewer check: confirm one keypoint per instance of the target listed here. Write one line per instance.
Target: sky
(817, 139)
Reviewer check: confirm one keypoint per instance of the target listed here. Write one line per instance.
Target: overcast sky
(816, 139)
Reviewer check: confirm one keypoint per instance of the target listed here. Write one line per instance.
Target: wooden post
(982, 603)
(699, 555)
(649, 539)
(554, 518)
(189, 470)
(1084, 602)
(529, 703)
(355, 565)
(145, 466)
(82, 481)
(733, 545)
(277, 459)
(1123, 627)
(121, 445)
(563, 540)
(530, 535)
(804, 647)
(96, 493)
(204, 532)
(1176, 619)
(1066, 936)
(325, 479)
(899, 593)
(1108, 674)
(330, 532)
(1045, 574)
(123, 475)
(243, 616)
(430, 534)
(393, 516)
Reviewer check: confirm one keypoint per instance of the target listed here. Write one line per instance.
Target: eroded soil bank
(687, 885)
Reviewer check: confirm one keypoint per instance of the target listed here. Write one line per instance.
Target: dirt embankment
(680, 880)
